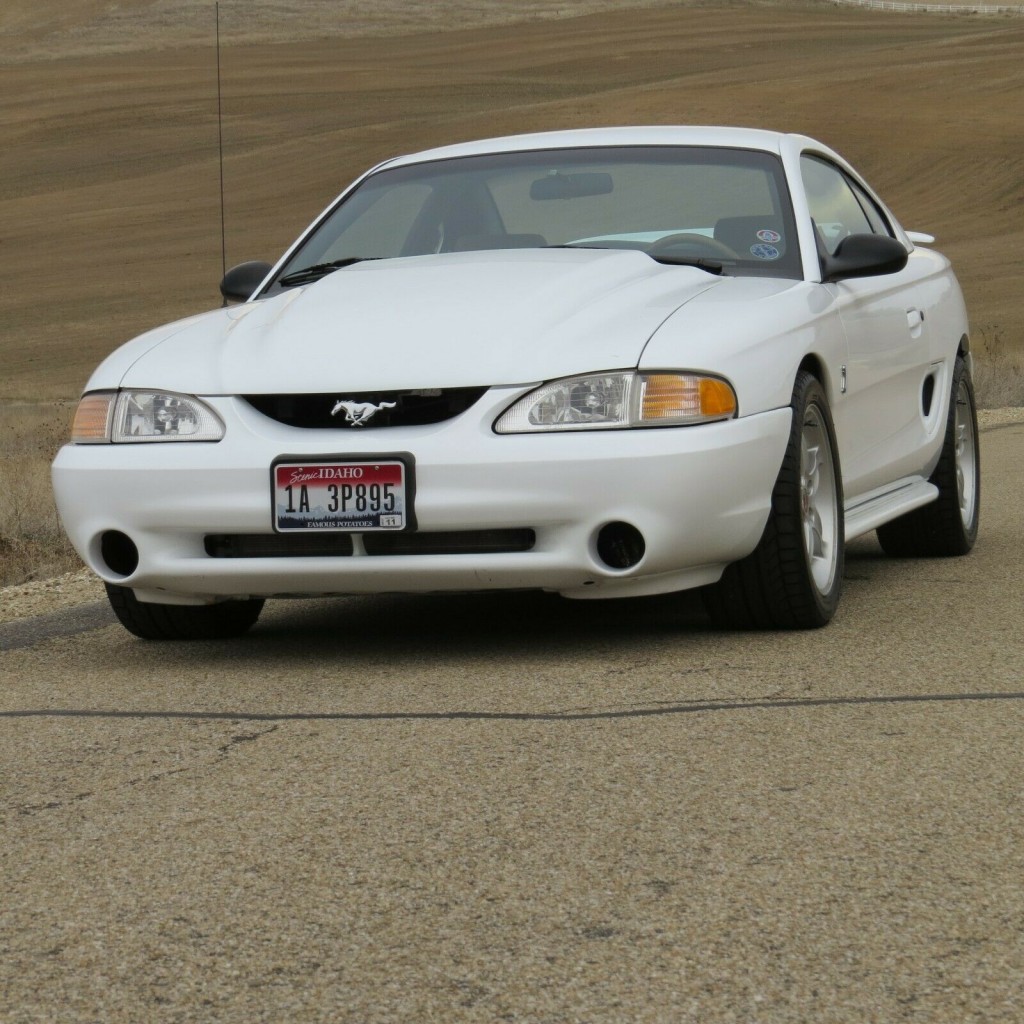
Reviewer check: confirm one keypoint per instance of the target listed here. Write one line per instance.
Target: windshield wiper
(701, 262)
(318, 270)
(711, 266)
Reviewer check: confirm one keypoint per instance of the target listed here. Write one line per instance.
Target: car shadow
(513, 622)
(475, 622)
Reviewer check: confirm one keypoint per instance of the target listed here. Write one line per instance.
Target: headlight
(125, 417)
(608, 401)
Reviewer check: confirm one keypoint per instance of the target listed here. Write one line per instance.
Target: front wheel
(182, 622)
(949, 525)
(793, 578)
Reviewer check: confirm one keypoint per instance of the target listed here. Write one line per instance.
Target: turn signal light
(675, 397)
(92, 418)
(716, 398)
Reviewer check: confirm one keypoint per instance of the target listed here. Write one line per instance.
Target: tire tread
(771, 588)
(182, 622)
(937, 530)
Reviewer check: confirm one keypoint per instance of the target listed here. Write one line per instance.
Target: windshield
(725, 209)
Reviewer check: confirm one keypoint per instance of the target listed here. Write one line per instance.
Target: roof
(656, 135)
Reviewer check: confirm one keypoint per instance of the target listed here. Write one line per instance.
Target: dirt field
(109, 217)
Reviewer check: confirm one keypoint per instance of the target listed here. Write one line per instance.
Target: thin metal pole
(220, 151)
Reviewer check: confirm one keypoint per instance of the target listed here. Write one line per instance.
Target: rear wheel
(949, 525)
(182, 622)
(793, 578)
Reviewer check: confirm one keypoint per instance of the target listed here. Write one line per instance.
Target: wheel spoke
(964, 455)
(814, 534)
(818, 515)
(811, 479)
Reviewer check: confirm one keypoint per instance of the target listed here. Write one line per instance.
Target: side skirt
(869, 511)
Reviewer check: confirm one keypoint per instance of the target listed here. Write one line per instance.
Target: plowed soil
(109, 176)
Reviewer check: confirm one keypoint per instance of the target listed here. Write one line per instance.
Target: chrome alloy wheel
(966, 454)
(794, 577)
(819, 513)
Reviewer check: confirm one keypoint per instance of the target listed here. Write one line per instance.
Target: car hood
(452, 320)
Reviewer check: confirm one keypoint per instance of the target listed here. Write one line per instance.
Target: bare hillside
(52, 28)
(109, 218)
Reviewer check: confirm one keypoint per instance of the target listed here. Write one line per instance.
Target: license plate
(342, 495)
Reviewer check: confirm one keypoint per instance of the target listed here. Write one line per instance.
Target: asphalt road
(516, 808)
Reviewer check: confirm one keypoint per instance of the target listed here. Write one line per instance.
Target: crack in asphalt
(220, 755)
(511, 716)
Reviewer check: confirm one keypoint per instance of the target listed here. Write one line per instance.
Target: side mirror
(241, 281)
(864, 256)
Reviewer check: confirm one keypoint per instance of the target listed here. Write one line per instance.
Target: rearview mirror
(571, 186)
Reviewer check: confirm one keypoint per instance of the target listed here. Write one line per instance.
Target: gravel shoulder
(41, 597)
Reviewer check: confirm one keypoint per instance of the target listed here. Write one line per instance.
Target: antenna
(220, 151)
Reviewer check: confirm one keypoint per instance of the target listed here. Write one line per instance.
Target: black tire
(949, 525)
(182, 622)
(793, 578)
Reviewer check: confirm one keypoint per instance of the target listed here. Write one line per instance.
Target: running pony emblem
(359, 413)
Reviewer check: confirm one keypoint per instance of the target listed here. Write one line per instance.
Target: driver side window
(834, 205)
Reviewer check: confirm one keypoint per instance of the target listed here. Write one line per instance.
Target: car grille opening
(334, 545)
(412, 408)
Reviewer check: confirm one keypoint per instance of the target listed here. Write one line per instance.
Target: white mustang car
(605, 363)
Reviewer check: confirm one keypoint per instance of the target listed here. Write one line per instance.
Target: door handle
(915, 318)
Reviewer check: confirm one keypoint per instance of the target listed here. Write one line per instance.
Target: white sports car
(604, 363)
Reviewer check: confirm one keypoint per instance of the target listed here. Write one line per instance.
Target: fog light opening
(620, 546)
(119, 553)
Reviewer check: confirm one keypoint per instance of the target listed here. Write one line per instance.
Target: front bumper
(699, 496)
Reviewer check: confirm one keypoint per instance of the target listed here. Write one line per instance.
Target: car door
(889, 358)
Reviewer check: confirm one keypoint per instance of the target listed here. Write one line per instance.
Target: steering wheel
(694, 240)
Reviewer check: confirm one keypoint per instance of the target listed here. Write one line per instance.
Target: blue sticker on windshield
(765, 252)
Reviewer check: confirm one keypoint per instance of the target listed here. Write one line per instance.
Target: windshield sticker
(764, 252)
(767, 235)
